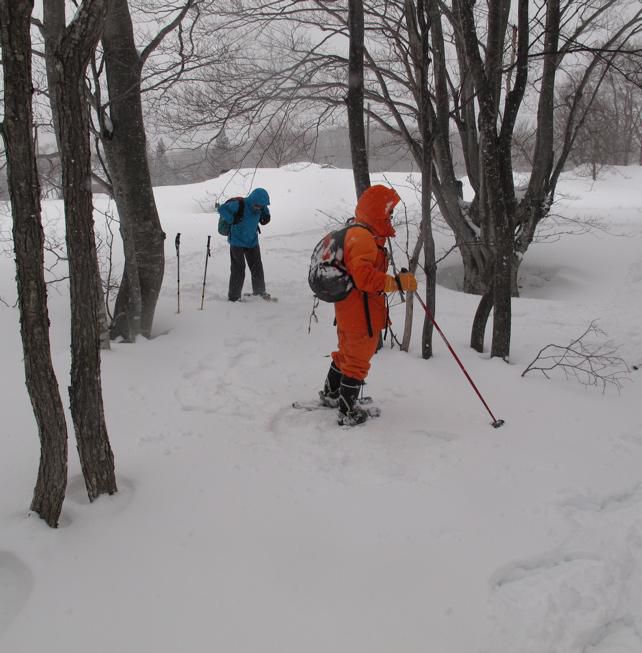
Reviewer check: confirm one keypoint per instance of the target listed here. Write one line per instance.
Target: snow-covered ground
(242, 525)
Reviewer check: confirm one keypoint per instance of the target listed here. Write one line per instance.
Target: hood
(375, 207)
(258, 196)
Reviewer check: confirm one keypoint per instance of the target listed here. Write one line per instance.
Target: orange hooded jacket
(366, 260)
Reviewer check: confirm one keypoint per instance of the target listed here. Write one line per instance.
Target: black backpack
(225, 227)
(328, 278)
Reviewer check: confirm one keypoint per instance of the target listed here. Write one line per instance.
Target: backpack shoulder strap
(360, 224)
(238, 214)
(364, 294)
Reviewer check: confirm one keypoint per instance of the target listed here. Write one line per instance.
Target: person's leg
(353, 359)
(350, 413)
(354, 353)
(253, 256)
(329, 396)
(237, 273)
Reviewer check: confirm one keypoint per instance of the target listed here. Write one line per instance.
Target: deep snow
(242, 525)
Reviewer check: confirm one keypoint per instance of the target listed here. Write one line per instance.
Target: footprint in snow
(16, 585)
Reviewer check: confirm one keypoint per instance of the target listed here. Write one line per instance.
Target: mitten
(403, 281)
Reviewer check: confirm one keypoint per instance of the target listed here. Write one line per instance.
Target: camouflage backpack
(328, 278)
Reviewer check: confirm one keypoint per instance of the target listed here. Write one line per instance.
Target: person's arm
(265, 215)
(360, 257)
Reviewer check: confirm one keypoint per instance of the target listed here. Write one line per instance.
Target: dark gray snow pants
(238, 257)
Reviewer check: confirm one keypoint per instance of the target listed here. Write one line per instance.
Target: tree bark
(413, 264)
(53, 28)
(543, 155)
(54, 24)
(482, 314)
(124, 141)
(425, 10)
(354, 99)
(73, 54)
(28, 239)
(497, 201)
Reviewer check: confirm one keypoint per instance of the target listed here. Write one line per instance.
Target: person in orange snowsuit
(362, 315)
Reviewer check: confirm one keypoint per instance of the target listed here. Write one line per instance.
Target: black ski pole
(207, 255)
(177, 242)
(496, 422)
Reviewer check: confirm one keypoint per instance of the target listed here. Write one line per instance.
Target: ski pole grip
(399, 283)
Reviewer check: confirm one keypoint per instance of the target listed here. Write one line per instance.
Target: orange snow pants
(354, 353)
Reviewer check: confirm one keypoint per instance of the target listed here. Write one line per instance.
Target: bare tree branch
(590, 363)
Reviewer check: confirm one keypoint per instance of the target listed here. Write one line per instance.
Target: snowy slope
(245, 526)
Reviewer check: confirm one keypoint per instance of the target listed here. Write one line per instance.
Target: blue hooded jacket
(245, 232)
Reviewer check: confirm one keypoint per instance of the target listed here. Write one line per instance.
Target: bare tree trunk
(502, 311)
(481, 318)
(54, 27)
(354, 99)
(73, 54)
(54, 24)
(431, 272)
(413, 263)
(460, 216)
(418, 18)
(28, 240)
(497, 196)
(123, 137)
(543, 155)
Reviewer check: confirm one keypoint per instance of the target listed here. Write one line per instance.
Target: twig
(589, 363)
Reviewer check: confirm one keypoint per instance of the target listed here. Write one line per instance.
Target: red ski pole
(496, 422)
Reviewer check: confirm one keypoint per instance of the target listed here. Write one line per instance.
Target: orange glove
(403, 281)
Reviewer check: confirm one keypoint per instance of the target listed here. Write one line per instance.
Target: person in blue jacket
(244, 240)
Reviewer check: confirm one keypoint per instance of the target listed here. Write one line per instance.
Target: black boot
(329, 396)
(350, 413)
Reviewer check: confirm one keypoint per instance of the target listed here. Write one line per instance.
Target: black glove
(265, 217)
